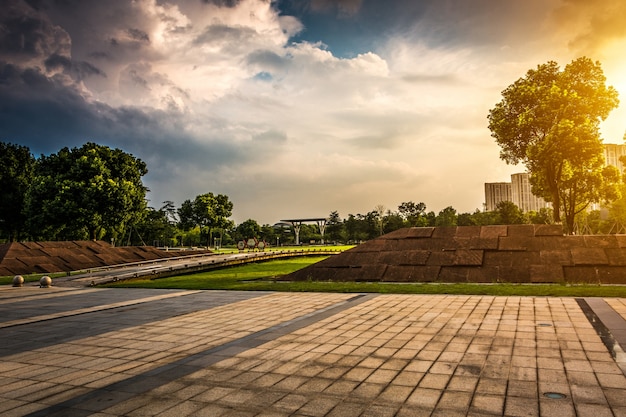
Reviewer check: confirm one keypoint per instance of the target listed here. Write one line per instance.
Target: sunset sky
(294, 108)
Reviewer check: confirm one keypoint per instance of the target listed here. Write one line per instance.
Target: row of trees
(94, 192)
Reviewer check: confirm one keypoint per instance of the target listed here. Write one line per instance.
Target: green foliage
(209, 212)
(85, 192)
(549, 121)
(248, 229)
(508, 213)
(446, 217)
(16, 171)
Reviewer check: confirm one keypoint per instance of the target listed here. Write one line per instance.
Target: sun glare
(614, 67)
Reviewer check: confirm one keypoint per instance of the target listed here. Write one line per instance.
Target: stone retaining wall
(65, 256)
(482, 254)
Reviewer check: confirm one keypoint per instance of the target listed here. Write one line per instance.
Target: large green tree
(16, 171)
(208, 211)
(85, 192)
(549, 121)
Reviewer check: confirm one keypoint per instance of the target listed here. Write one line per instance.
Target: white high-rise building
(495, 192)
(522, 195)
(517, 191)
(612, 153)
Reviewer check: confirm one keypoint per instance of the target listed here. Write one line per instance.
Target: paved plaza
(133, 352)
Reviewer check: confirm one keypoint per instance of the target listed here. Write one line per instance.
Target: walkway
(113, 352)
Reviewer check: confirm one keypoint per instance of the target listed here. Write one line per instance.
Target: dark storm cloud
(46, 115)
(79, 70)
(222, 3)
(138, 35)
(224, 34)
(25, 34)
(267, 60)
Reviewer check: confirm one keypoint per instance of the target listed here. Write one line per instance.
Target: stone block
(555, 257)
(406, 273)
(484, 243)
(548, 230)
(521, 230)
(411, 257)
(396, 234)
(581, 274)
(375, 245)
(371, 273)
(468, 257)
(589, 256)
(616, 256)
(513, 274)
(601, 241)
(462, 242)
(483, 274)
(351, 258)
(546, 273)
(621, 240)
(444, 232)
(414, 244)
(454, 274)
(493, 231)
(420, 232)
(518, 242)
(611, 274)
(441, 258)
(468, 231)
(511, 259)
(553, 242)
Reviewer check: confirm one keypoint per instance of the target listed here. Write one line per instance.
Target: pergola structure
(297, 223)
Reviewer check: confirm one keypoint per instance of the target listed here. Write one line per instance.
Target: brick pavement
(112, 352)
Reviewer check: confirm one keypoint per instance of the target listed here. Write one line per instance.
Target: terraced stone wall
(65, 256)
(481, 254)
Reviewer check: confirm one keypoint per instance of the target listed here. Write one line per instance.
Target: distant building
(612, 153)
(495, 192)
(517, 191)
(522, 196)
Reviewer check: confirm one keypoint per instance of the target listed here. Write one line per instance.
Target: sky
(293, 109)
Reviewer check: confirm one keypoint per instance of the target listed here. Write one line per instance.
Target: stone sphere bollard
(18, 281)
(45, 282)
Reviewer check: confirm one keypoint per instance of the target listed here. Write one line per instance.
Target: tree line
(94, 192)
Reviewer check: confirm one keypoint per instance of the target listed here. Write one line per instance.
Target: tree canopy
(84, 192)
(208, 211)
(16, 171)
(549, 121)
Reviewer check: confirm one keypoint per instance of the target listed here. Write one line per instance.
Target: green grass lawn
(262, 277)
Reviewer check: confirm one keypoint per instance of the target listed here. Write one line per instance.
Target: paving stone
(426, 355)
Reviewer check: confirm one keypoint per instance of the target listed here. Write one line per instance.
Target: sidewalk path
(132, 352)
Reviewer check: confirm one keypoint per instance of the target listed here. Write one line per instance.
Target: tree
(85, 192)
(335, 227)
(412, 212)
(508, 213)
(446, 217)
(248, 229)
(16, 171)
(549, 121)
(208, 211)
